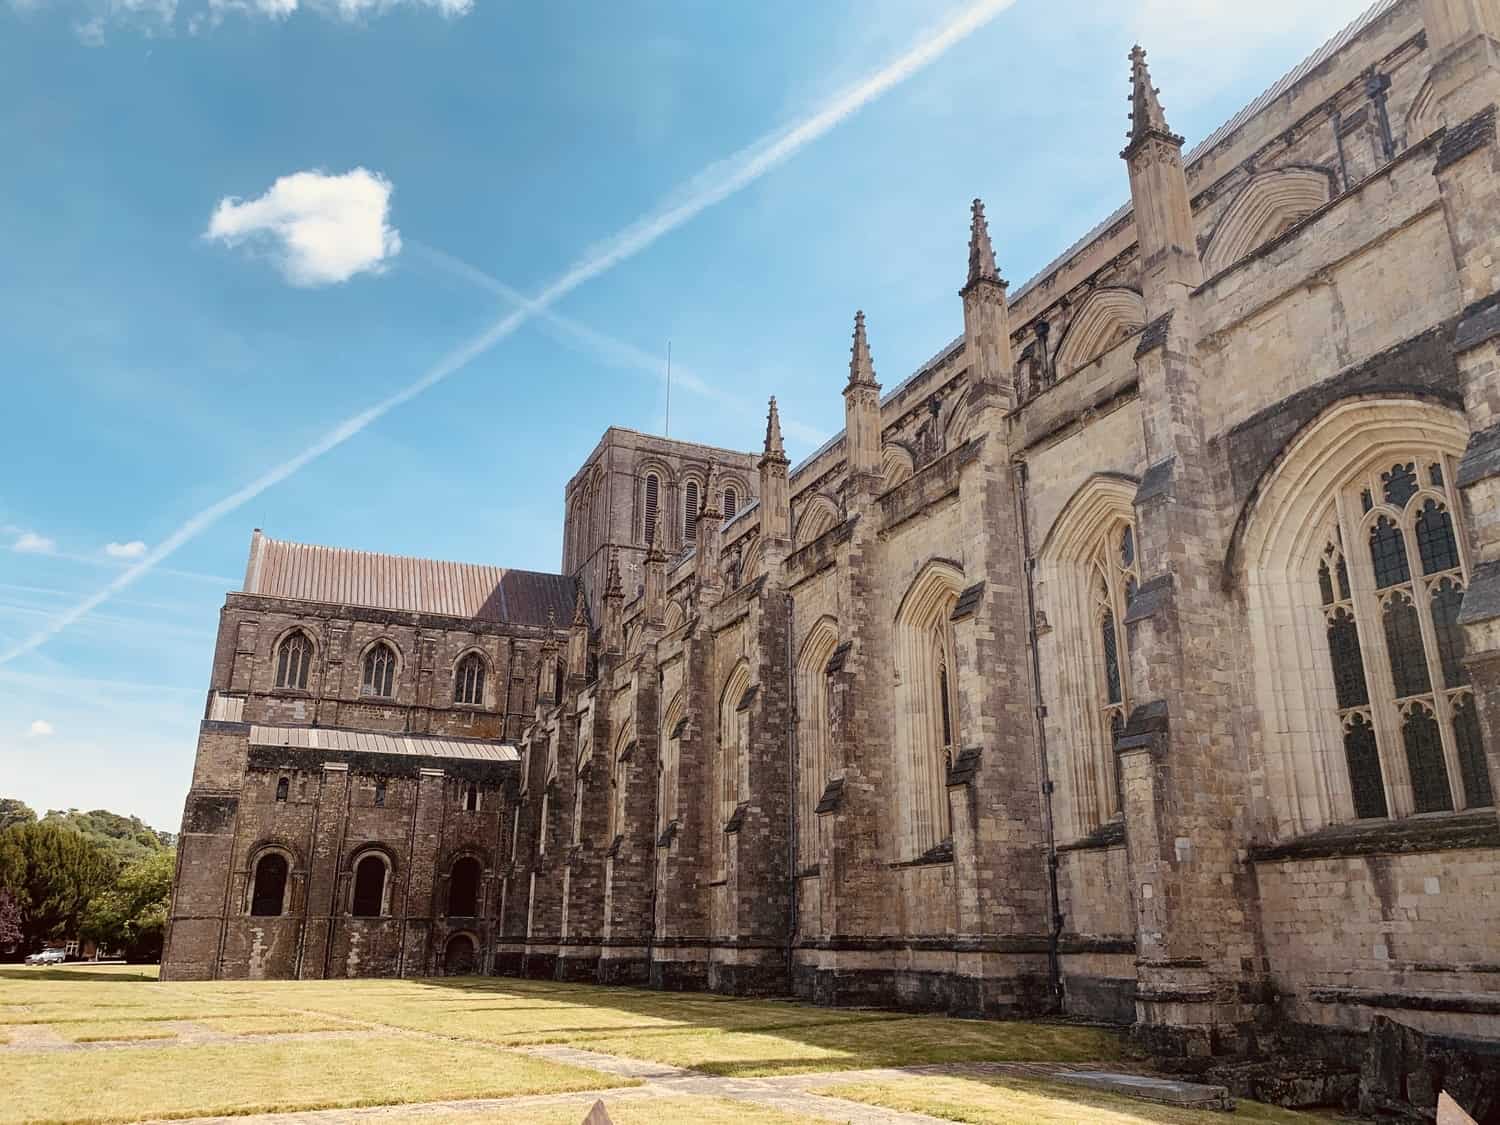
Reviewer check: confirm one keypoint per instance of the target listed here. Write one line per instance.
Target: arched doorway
(460, 957)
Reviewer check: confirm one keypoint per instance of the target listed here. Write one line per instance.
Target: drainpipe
(1054, 969)
(794, 789)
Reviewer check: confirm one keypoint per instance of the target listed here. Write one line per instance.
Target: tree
(127, 838)
(10, 922)
(51, 871)
(13, 811)
(131, 916)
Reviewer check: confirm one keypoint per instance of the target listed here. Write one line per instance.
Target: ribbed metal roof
(1240, 119)
(306, 572)
(1224, 131)
(369, 742)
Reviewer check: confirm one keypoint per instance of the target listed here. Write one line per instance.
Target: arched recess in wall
(669, 763)
(676, 616)
(1267, 206)
(620, 759)
(655, 486)
(270, 888)
(820, 515)
(1353, 566)
(1423, 119)
(958, 426)
(734, 736)
(926, 707)
(814, 733)
(1105, 317)
(753, 561)
(896, 465)
(1084, 574)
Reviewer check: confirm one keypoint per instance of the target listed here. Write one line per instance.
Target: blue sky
(228, 226)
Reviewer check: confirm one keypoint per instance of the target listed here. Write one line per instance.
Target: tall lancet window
(691, 505)
(815, 758)
(1391, 579)
(1115, 574)
(928, 730)
(653, 505)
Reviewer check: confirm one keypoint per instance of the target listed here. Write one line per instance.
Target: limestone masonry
(1136, 658)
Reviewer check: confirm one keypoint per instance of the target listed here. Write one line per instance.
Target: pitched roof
(279, 569)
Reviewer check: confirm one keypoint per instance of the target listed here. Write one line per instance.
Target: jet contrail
(612, 349)
(715, 184)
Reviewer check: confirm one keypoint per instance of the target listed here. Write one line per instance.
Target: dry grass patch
(1008, 1101)
(626, 1111)
(264, 1077)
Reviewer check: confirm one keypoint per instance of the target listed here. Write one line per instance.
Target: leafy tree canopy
(127, 838)
(13, 811)
(131, 916)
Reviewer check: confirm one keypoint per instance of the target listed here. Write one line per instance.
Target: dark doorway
(460, 958)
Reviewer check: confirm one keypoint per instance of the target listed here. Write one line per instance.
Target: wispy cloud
(132, 550)
(611, 349)
(713, 186)
(30, 543)
(40, 728)
(318, 229)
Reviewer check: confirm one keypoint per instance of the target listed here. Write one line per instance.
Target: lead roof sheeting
(367, 742)
(1223, 132)
(467, 590)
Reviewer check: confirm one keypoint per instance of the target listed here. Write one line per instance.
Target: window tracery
(293, 661)
(379, 672)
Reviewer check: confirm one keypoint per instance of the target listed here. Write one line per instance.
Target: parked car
(48, 957)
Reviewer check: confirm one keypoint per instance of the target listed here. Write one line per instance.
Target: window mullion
(1384, 714)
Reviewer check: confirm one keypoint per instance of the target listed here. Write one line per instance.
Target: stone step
(1167, 1091)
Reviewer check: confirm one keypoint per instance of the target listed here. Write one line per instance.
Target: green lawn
(261, 1077)
(161, 1050)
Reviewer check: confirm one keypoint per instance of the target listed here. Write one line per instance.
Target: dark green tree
(10, 923)
(52, 871)
(131, 917)
(127, 838)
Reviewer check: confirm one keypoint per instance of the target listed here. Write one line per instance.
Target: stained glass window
(1424, 760)
(1364, 768)
(1403, 643)
(1435, 542)
(1388, 554)
(1471, 763)
(1400, 484)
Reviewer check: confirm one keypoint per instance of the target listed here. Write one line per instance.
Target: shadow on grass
(741, 1037)
(120, 975)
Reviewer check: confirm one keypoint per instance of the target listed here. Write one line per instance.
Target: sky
(379, 273)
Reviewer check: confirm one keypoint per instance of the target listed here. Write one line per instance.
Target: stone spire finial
(614, 587)
(861, 366)
(774, 447)
(1147, 118)
(981, 252)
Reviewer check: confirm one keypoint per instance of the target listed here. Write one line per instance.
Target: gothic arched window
(814, 734)
(283, 787)
(927, 702)
(468, 680)
(1114, 575)
(268, 894)
(731, 503)
(734, 734)
(379, 672)
(293, 661)
(1395, 648)
(672, 729)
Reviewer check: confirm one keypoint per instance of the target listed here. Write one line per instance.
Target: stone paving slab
(1167, 1091)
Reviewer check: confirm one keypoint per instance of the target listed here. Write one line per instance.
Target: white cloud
(132, 550)
(30, 543)
(320, 229)
(40, 728)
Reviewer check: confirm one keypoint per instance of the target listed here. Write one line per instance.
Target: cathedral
(1137, 658)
